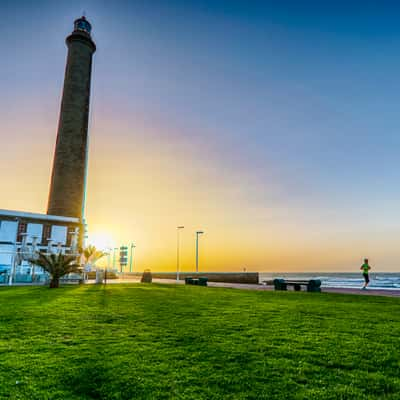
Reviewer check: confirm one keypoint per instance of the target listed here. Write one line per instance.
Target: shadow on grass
(98, 379)
(32, 294)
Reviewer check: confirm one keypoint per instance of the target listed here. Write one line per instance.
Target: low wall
(110, 275)
(227, 277)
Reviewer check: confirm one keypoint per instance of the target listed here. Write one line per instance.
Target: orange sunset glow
(210, 134)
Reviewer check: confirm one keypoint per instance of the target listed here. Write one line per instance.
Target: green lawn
(166, 342)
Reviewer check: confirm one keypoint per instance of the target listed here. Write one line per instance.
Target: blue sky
(284, 113)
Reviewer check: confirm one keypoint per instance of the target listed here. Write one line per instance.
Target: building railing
(21, 269)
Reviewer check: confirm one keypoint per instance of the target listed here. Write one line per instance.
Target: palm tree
(57, 265)
(91, 255)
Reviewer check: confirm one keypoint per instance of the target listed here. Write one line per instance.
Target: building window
(46, 234)
(22, 226)
(59, 234)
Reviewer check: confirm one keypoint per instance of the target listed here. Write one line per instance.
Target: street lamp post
(109, 250)
(131, 258)
(198, 233)
(114, 258)
(178, 228)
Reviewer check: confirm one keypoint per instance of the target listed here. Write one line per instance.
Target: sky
(271, 126)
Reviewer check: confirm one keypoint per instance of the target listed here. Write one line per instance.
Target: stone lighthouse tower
(67, 189)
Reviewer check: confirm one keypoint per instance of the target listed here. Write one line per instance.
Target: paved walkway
(368, 292)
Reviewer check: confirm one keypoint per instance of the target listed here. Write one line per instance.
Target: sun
(102, 240)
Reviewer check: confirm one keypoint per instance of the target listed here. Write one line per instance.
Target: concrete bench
(202, 281)
(312, 285)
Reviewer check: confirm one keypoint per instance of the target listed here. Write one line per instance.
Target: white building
(23, 232)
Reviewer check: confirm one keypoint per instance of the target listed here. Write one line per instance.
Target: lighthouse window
(83, 26)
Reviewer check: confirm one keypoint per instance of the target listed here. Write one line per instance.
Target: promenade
(368, 292)
(244, 286)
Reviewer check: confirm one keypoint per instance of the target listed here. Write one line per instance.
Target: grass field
(175, 342)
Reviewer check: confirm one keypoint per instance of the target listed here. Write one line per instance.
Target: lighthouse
(68, 179)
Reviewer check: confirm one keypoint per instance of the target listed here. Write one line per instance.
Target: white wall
(8, 231)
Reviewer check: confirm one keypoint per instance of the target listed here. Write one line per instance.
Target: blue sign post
(123, 257)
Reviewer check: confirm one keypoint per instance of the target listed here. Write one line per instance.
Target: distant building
(24, 231)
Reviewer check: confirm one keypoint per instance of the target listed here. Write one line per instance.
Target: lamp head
(83, 25)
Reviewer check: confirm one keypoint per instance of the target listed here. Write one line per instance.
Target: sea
(389, 281)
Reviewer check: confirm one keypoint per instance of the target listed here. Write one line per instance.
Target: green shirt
(365, 268)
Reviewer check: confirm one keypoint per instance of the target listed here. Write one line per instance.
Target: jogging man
(365, 271)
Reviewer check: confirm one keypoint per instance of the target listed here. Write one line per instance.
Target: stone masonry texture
(69, 167)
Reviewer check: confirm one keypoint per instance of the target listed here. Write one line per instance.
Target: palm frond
(57, 265)
(92, 255)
